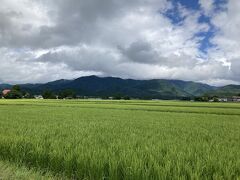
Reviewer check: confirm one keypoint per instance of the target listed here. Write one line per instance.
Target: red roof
(6, 91)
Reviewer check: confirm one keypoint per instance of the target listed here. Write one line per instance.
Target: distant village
(218, 99)
(16, 93)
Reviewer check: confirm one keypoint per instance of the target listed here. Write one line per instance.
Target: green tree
(117, 96)
(198, 99)
(205, 98)
(68, 93)
(215, 99)
(16, 88)
(47, 94)
(27, 95)
(126, 98)
(15, 93)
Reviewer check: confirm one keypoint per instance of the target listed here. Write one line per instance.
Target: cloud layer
(44, 40)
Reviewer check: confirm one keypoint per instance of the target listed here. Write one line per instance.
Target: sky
(192, 40)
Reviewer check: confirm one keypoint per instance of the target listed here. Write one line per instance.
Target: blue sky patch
(177, 19)
(190, 4)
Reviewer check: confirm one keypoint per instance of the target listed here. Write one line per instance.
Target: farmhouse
(232, 99)
(5, 92)
(236, 98)
(223, 99)
(38, 97)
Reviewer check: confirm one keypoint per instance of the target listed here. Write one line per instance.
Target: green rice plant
(122, 139)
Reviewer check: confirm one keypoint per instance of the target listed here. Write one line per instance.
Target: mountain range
(145, 89)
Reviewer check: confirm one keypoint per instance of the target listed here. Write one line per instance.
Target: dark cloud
(140, 52)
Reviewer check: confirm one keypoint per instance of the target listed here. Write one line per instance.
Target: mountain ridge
(145, 89)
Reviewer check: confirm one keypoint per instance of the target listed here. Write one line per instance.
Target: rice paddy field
(53, 139)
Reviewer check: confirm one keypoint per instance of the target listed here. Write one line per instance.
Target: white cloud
(44, 40)
(227, 38)
(207, 6)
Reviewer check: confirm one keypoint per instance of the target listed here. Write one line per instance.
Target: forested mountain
(145, 89)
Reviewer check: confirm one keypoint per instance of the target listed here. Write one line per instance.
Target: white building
(38, 97)
(236, 98)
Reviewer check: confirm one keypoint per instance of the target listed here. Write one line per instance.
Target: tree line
(16, 92)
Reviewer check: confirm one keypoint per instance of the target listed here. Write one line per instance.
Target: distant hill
(4, 86)
(110, 86)
(144, 89)
(225, 91)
